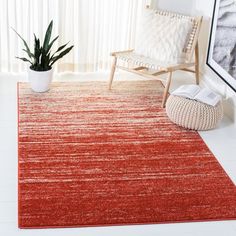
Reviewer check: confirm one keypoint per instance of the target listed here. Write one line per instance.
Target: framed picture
(222, 44)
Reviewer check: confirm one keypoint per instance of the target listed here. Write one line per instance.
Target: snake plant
(42, 59)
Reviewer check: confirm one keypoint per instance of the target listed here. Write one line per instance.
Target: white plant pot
(40, 80)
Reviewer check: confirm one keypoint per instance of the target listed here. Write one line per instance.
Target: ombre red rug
(93, 157)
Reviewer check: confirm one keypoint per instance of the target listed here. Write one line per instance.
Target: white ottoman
(192, 114)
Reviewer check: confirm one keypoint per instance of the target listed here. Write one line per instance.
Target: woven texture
(192, 114)
(156, 46)
(133, 59)
(163, 36)
(89, 156)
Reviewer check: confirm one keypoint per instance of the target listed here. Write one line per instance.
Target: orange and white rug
(93, 157)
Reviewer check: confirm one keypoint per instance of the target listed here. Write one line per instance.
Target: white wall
(182, 6)
(205, 8)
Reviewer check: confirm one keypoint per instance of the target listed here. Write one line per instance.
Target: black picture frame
(211, 44)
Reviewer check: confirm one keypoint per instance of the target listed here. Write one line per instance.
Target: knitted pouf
(192, 114)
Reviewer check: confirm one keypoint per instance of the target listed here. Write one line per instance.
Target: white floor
(221, 141)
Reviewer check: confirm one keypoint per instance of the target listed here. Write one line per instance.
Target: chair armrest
(121, 52)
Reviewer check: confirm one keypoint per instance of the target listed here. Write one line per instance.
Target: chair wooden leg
(197, 72)
(166, 91)
(113, 69)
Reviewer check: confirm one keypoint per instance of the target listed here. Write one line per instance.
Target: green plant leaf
(47, 37)
(62, 54)
(59, 49)
(26, 45)
(24, 59)
(31, 55)
(50, 45)
(36, 42)
(37, 50)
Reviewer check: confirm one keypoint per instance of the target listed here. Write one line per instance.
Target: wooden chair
(154, 69)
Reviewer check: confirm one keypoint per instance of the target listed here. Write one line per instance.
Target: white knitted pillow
(163, 37)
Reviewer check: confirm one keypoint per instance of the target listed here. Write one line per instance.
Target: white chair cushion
(163, 37)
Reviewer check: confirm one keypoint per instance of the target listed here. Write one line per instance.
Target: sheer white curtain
(94, 27)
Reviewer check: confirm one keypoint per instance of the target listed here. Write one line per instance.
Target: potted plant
(42, 60)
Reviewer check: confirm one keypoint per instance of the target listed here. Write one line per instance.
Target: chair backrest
(192, 41)
(194, 35)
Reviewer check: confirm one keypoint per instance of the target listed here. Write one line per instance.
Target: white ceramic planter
(40, 80)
